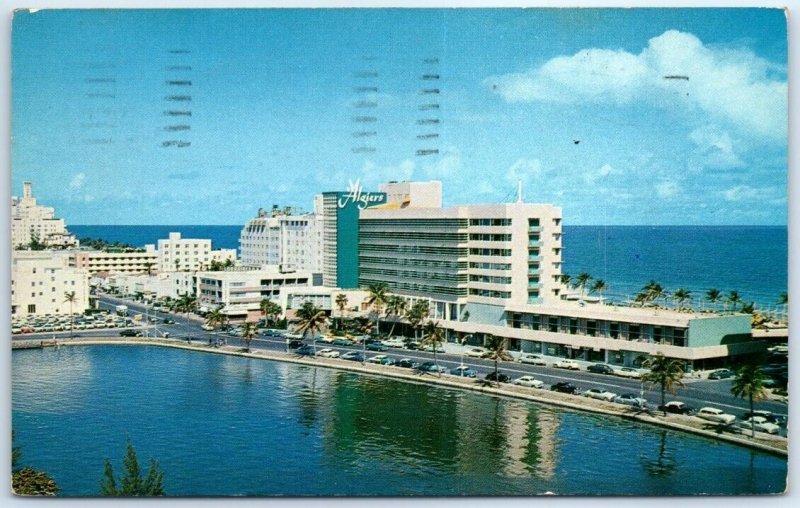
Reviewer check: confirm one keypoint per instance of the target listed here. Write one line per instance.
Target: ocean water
(221, 425)
(752, 260)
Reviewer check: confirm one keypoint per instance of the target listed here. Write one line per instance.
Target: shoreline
(775, 445)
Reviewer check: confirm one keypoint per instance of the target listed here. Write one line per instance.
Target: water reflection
(662, 464)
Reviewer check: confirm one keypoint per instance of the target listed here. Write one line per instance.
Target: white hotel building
(496, 269)
(28, 219)
(189, 254)
(40, 281)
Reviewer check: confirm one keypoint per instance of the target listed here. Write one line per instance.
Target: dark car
(767, 415)
(376, 346)
(412, 345)
(131, 333)
(564, 387)
(169, 321)
(305, 351)
(295, 343)
(600, 368)
(677, 407)
(721, 374)
(498, 376)
(342, 342)
(407, 363)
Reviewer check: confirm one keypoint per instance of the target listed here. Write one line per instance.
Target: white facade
(188, 254)
(28, 218)
(96, 261)
(292, 241)
(240, 292)
(413, 194)
(40, 281)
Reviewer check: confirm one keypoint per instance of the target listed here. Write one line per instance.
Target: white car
(328, 353)
(760, 424)
(715, 415)
(376, 359)
(394, 342)
(567, 364)
(529, 381)
(476, 352)
(599, 393)
(627, 372)
(532, 359)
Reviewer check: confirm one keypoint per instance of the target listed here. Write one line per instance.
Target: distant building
(40, 281)
(117, 262)
(29, 220)
(189, 254)
(292, 241)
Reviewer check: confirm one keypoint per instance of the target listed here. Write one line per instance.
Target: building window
(634, 332)
(31, 308)
(614, 330)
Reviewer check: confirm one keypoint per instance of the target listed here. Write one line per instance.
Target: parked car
(567, 364)
(387, 360)
(328, 353)
(715, 415)
(342, 342)
(305, 350)
(412, 345)
(564, 387)
(631, 399)
(721, 374)
(463, 371)
(330, 339)
(131, 333)
(354, 356)
(394, 342)
(768, 415)
(376, 346)
(296, 343)
(377, 358)
(600, 368)
(677, 407)
(476, 352)
(431, 367)
(429, 348)
(407, 363)
(532, 359)
(528, 381)
(498, 376)
(760, 424)
(169, 321)
(600, 393)
(628, 372)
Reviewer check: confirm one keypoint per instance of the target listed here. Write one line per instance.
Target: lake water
(229, 426)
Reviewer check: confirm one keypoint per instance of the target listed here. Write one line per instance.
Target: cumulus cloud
(77, 182)
(713, 149)
(741, 193)
(525, 170)
(732, 85)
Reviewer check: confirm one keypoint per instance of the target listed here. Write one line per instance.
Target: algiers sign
(361, 199)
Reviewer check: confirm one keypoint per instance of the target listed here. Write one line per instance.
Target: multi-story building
(239, 292)
(281, 238)
(188, 254)
(496, 270)
(40, 282)
(117, 262)
(29, 220)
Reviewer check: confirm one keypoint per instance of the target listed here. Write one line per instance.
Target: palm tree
(311, 320)
(148, 265)
(598, 287)
(433, 334)
(70, 297)
(341, 303)
(734, 299)
(396, 307)
(248, 332)
(186, 303)
(681, 296)
(269, 309)
(654, 291)
(581, 281)
(666, 372)
(377, 296)
(749, 382)
(566, 279)
(713, 296)
(496, 347)
(417, 314)
(216, 318)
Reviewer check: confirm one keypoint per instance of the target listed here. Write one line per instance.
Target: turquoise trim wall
(347, 236)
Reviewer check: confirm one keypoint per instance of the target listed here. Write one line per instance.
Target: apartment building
(40, 281)
(29, 220)
(117, 262)
(189, 254)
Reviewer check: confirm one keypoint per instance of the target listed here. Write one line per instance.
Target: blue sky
(276, 94)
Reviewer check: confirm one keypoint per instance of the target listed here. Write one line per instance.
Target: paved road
(696, 392)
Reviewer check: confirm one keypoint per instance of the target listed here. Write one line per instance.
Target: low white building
(189, 254)
(96, 261)
(40, 281)
(239, 292)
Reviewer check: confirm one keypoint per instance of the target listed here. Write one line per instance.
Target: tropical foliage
(132, 483)
(395, 308)
(69, 296)
(216, 318)
(664, 372)
(432, 335)
(749, 383)
(270, 310)
(26, 481)
(248, 332)
(497, 350)
(416, 314)
(310, 320)
(377, 297)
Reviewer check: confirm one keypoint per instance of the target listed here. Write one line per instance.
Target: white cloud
(732, 85)
(606, 170)
(667, 188)
(525, 170)
(77, 182)
(742, 193)
(713, 149)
